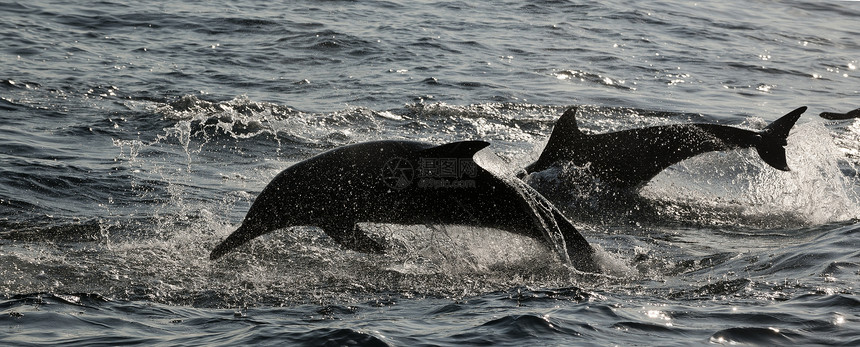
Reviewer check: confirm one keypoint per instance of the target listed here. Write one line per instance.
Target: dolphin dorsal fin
(562, 141)
(461, 149)
(566, 125)
(564, 132)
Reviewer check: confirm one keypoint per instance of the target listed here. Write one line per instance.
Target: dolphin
(407, 183)
(839, 116)
(628, 159)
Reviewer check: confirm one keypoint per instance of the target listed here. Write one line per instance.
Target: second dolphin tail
(775, 137)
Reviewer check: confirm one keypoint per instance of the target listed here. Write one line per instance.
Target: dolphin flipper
(347, 235)
(352, 237)
(775, 137)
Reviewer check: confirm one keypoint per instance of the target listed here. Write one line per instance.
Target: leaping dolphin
(628, 159)
(405, 182)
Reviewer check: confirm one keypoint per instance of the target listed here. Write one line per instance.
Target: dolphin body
(408, 183)
(628, 159)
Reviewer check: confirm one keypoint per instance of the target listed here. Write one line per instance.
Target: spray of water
(748, 193)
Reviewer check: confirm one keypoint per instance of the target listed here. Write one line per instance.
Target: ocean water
(135, 136)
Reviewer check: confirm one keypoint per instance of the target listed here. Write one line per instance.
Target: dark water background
(134, 136)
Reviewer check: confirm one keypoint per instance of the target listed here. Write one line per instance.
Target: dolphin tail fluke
(578, 249)
(774, 138)
(773, 156)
